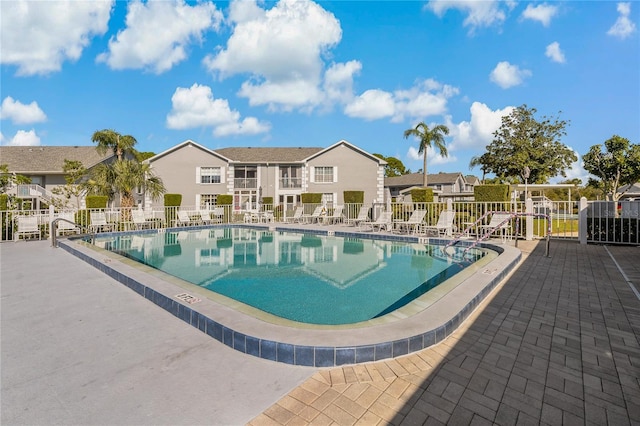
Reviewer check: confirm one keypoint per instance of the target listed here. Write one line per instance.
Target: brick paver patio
(557, 343)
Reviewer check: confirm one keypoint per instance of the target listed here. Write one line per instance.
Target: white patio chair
(183, 219)
(205, 217)
(444, 226)
(139, 220)
(99, 222)
(27, 225)
(63, 227)
(313, 217)
(499, 222)
(336, 216)
(363, 215)
(297, 215)
(415, 220)
(217, 215)
(383, 221)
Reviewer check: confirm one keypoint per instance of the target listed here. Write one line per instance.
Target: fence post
(51, 217)
(582, 220)
(528, 208)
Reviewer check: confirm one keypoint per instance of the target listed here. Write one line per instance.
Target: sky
(302, 73)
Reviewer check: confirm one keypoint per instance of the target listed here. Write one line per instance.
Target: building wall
(179, 173)
(355, 172)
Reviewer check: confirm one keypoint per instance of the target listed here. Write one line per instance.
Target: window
(207, 201)
(327, 199)
(323, 174)
(209, 174)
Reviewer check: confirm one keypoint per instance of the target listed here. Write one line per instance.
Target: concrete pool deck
(557, 341)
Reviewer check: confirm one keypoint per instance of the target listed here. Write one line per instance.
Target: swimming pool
(422, 322)
(308, 278)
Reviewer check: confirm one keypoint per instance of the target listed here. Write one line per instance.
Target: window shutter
(335, 174)
(197, 174)
(198, 201)
(312, 178)
(222, 175)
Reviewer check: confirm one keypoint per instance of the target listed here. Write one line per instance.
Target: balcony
(245, 183)
(289, 183)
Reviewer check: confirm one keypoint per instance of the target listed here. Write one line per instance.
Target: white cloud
(541, 13)
(22, 138)
(38, 37)
(338, 81)
(20, 113)
(623, 27)
(506, 75)
(158, 34)
(554, 53)
(281, 48)
(478, 131)
(372, 105)
(479, 13)
(426, 98)
(196, 107)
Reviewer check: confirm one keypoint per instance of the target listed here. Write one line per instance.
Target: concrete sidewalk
(557, 343)
(79, 348)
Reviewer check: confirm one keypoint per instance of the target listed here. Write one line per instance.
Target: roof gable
(349, 145)
(181, 145)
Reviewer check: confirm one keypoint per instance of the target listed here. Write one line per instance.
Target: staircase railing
(34, 191)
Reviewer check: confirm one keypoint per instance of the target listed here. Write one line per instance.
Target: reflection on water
(310, 278)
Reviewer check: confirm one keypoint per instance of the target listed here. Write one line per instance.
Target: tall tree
(524, 141)
(124, 177)
(617, 166)
(107, 140)
(74, 173)
(394, 166)
(480, 161)
(429, 138)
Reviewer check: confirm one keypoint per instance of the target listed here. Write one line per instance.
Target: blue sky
(301, 73)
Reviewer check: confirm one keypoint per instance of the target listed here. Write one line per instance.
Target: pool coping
(317, 347)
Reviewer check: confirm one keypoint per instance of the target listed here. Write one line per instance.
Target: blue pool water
(302, 277)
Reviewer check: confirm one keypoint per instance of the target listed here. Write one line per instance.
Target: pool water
(302, 277)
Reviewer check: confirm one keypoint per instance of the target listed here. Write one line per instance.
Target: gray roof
(266, 155)
(48, 159)
(417, 178)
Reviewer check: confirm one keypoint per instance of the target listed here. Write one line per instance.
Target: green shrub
(422, 195)
(353, 197)
(4, 202)
(311, 198)
(224, 199)
(491, 192)
(172, 200)
(97, 201)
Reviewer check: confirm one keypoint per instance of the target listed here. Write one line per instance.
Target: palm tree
(427, 137)
(111, 140)
(124, 177)
(481, 161)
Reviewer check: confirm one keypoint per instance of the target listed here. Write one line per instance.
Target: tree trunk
(424, 168)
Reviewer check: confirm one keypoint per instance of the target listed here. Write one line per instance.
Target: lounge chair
(27, 225)
(217, 215)
(499, 222)
(413, 223)
(99, 222)
(297, 216)
(444, 226)
(205, 217)
(383, 221)
(336, 216)
(140, 222)
(363, 216)
(315, 216)
(183, 219)
(63, 227)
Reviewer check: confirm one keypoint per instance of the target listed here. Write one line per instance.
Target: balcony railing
(245, 183)
(288, 183)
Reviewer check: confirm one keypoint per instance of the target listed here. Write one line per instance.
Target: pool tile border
(303, 355)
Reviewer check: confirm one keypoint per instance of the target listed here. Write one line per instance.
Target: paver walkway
(557, 343)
